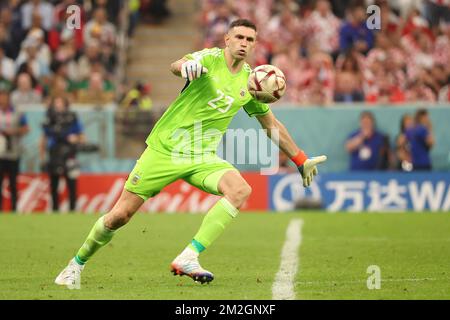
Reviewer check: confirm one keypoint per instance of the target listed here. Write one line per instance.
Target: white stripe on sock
(231, 210)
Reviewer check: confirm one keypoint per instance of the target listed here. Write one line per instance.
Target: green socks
(214, 223)
(97, 238)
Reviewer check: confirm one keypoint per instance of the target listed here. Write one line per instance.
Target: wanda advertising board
(334, 192)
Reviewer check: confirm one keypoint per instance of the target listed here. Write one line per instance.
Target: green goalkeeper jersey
(196, 121)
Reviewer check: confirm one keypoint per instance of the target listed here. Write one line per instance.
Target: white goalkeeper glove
(309, 169)
(192, 69)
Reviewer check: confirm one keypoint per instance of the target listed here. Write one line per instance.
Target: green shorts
(154, 170)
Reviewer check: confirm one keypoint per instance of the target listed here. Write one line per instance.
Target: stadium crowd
(41, 58)
(329, 54)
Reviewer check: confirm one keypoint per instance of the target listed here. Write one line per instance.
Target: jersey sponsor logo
(242, 92)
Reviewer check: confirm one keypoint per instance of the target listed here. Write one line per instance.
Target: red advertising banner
(98, 193)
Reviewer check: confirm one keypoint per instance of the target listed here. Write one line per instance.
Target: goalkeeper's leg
(101, 233)
(235, 192)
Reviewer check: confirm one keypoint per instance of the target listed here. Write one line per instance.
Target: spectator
(112, 8)
(444, 93)
(7, 68)
(61, 87)
(30, 56)
(217, 25)
(317, 80)
(421, 139)
(36, 36)
(100, 29)
(62, 70)
(441, 48)
(133, 7)
(25, 93)
(354, 33)
(138, 98)
(66, 57)
(40, 7)
(91, 55)
(366, 145)
(390, 22)
(437, 11)
(384, 76)
(103, 32)
(323, 28)
(13, 126)
(349, 81)
(96, 90)
(283, 29)
(3, 80)
(11, 32)
(63, 132)
(435, 78)
(340, 7)
(418, 91)
(402, 148)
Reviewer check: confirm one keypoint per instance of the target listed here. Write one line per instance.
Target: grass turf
(412, 251)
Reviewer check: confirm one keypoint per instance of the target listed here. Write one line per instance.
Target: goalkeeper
(216, 88)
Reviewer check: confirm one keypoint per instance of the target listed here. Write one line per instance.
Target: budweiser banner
(98, 193)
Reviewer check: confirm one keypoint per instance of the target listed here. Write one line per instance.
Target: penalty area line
(283, 286)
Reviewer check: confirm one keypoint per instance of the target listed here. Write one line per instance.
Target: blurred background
(376, 101)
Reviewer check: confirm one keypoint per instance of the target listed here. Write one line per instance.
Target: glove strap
(300, 158)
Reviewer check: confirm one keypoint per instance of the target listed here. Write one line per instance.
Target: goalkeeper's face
(240, 41)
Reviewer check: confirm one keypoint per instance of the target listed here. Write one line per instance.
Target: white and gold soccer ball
(266, 83)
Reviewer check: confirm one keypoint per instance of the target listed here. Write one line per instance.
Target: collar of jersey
(228, 69)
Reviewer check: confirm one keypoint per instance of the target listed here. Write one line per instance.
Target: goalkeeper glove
(307, 166)
(192, 70)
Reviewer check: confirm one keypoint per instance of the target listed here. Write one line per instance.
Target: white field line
(283, 286)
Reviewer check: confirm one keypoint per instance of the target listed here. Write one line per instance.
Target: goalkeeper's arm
(279, 134)
(188, 69)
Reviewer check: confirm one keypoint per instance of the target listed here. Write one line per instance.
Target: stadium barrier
(349, 192)
(317, 130)
(324, 130)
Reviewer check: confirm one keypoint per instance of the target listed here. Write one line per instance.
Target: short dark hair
(367, 114)
(242, 23)
(419, 114)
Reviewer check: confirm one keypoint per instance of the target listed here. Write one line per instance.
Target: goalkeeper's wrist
(300, 158)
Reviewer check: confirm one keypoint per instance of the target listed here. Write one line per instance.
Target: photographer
(13, 125)
(60, 142)
(368, 147)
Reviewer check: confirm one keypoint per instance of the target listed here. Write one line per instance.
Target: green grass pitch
(412, 251)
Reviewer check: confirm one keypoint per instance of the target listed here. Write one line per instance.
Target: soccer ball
(266, 83)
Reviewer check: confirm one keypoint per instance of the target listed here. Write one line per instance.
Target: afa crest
(135, 179)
